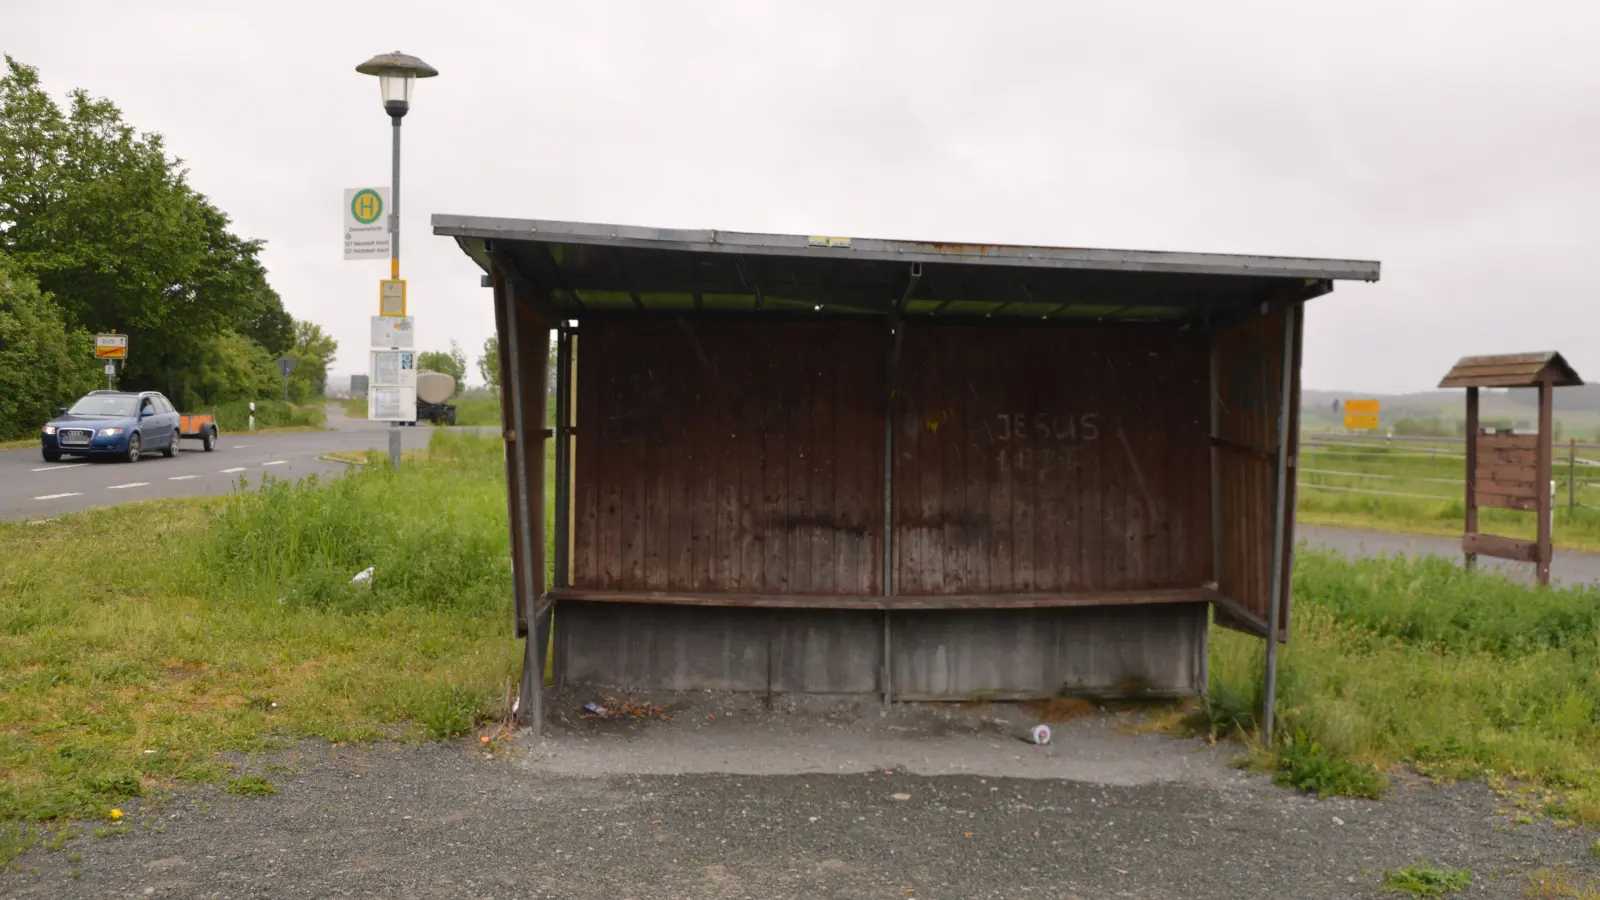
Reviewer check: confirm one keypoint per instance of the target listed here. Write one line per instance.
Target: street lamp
(397, 75)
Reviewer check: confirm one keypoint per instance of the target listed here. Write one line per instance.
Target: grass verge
(1437, 505)
(1416, 661)
(1426, 881)
(241, 629)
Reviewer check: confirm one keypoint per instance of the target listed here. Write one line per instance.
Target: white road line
(131, 484)
(242, 446)
(276, 462)
(182, 477)
(231, 471)
(56, 496)
(54, 468)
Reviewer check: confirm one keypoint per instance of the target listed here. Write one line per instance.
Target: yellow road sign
(392, 297)
(1361, 406)
(1361, 421)
(110, 346)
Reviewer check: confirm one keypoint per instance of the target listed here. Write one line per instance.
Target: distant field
(1419, 487)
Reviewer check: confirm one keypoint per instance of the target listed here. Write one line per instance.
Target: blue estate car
(113, 423)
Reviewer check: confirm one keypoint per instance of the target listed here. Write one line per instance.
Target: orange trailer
(200, 427)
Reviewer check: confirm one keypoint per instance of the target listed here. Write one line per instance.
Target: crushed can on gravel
(1037, 734)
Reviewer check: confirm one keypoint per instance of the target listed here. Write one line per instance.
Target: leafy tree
(107, 224)
(313, 351)
(43, 365)
(489, 363)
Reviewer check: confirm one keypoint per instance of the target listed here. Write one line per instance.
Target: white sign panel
(366, 223)
(393, 332)
(394, 368)
(392, 404)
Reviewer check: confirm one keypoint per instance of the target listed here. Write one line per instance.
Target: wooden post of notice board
(1507, 470)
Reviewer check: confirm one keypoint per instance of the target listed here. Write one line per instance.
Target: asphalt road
(31, 488)
(1569, 566)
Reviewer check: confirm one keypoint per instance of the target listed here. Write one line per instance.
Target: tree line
(100, 231)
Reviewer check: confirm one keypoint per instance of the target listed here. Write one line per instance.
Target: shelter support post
(1472, 472)
(1542, 486)
(1215, 392)
(528, 348)
(1572, 474)
(1280, 515)
(888, 499)
(563, 431)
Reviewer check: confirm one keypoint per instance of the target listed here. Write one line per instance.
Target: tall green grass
(1418, 661)
(191, 627)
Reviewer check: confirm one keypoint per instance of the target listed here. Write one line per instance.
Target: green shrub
(1426, 881)
(1303, 764)
(250, 786)
(235, 416)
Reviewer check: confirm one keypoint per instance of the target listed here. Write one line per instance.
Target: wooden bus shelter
(901, 469)
(1506, 470)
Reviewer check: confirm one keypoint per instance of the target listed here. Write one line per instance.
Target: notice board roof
(618, 268)
(1512, 370)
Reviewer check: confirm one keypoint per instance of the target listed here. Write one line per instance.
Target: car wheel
(171, 449)
(52, 456)
(132, 454)
(208, 440)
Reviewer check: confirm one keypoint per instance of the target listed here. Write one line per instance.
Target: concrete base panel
(936, 654)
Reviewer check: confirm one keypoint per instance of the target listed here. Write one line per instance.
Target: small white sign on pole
(366, 223)
(392, 395)
(393, 332)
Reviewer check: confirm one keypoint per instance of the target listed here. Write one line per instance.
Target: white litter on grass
(363, 576)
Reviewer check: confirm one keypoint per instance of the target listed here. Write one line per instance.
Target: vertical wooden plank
(775, 471)
(1472, 470)
(610, 446)
(845, 570)
(1542, 488)
(634, 449)
(679, 512)
(586, 469)
(750, 449)
(1093, 440)
(822, 468)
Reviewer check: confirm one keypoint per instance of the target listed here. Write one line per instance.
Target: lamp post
(397, 74)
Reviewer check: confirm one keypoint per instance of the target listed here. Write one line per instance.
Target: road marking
(231, 471)
(56, 496)
(276, 462)
(131, 484)
(243, 446)
(54, 468)
(182, 477)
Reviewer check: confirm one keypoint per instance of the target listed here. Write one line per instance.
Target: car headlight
(49, 429)
(107, 432)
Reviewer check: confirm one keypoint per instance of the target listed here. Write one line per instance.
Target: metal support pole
(394, 259)
(896, 329)
(531, 574)
(1471, 561)
(1280, 515)
(1546, 500)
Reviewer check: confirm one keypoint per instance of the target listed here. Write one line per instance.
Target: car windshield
(105, 405)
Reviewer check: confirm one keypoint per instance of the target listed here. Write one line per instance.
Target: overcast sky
(1455, 142)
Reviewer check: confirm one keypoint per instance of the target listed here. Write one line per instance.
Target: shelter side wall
(725, 456)
(1051, 459)
(937, 654)
(1249, 388)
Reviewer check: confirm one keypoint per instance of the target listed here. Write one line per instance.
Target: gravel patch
(730, 800)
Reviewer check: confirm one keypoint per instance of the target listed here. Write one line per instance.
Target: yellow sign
(392, 297)
(1361, 415)
(110, 346)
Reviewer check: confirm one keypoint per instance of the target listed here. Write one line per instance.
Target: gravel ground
(730, 800)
